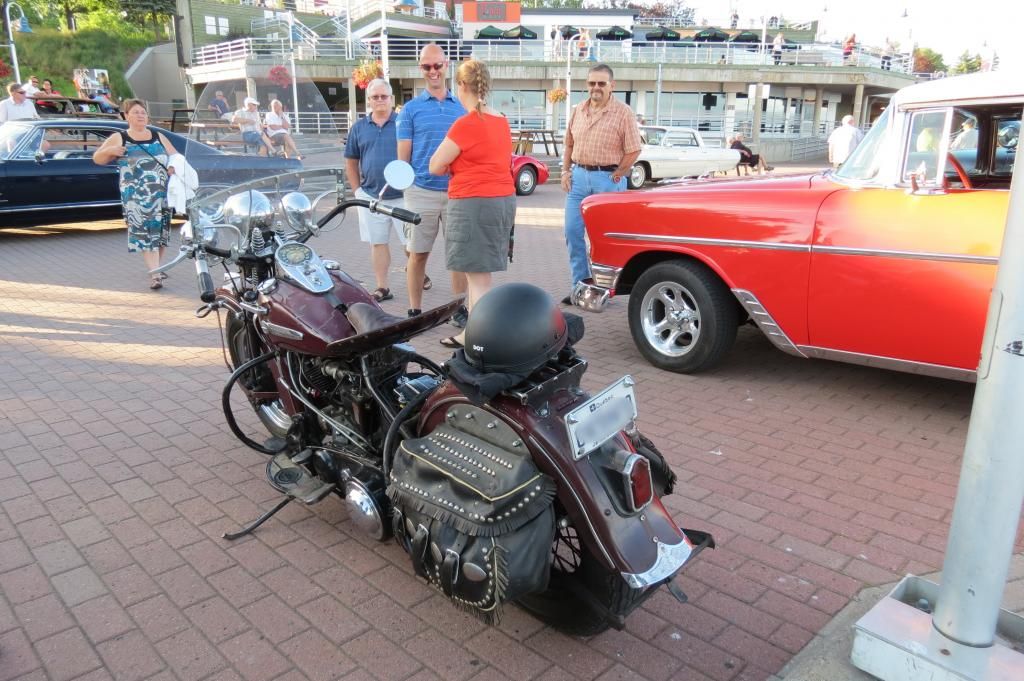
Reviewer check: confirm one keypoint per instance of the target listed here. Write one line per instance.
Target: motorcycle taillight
(637, 479)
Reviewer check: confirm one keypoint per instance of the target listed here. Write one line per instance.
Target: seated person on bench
(248, 121)
(277, 126)
(748, 157)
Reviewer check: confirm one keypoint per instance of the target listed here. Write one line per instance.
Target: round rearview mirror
(399, 175)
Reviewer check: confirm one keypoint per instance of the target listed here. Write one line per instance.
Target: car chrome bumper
(594, 297)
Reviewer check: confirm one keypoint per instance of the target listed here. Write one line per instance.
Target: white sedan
(677, 152)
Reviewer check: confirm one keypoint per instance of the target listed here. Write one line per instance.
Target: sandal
(451, 342)
(427, 284)
(156, 283)
(382, 294)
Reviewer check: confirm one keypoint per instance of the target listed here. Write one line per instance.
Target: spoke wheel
(682, 317)
(574, 570)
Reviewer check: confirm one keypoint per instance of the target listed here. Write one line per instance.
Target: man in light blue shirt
(422, 124)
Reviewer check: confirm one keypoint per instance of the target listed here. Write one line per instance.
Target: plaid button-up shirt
(602, 137)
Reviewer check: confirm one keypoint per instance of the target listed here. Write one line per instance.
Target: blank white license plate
(602, 416)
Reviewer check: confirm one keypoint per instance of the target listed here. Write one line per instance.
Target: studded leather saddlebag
(473, 511)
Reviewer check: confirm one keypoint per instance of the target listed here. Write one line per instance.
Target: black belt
(606, 169)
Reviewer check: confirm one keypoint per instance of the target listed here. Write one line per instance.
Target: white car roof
(990, 87)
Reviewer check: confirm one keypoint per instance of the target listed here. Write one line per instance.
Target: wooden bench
(523, 140)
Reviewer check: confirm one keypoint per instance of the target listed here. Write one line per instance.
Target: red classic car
(887, 262)
(528, 173)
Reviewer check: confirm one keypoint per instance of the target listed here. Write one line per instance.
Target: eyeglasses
(427, 68)
(379, 98)
(596, 83)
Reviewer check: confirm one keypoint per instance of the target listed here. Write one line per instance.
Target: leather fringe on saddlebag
(473, 511)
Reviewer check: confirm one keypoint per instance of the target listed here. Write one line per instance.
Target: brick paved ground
(118, 477)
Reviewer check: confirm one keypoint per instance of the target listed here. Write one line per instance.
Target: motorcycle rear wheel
(582, 596)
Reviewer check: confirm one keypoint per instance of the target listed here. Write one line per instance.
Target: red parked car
(528, 173)
(887, 262)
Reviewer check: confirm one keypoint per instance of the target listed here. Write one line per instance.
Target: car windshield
(10, 135)
(866, 160)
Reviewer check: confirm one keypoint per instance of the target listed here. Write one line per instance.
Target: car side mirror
(39, 156)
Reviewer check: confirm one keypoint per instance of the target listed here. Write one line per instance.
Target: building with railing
(663, 69)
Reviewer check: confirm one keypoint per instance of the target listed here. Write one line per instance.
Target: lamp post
(384, 40)
(10, 35)
(291, 61)
(575, 38)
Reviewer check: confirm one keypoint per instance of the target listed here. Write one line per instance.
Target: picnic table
(524, 139)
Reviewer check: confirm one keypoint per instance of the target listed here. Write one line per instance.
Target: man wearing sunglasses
(18, 106)
(602, 142)
(423, 124)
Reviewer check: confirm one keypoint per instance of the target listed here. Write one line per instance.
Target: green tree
(137, 12)
(927, 60)
(967, 63)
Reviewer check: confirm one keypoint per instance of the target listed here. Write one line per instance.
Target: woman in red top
(477, 154)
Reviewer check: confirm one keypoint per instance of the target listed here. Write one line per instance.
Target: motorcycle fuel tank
(307, 322)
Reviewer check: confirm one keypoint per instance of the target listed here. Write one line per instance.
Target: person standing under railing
(372, 144)
(422, 125)
(843, 141)
(481, 193)
(602, 141)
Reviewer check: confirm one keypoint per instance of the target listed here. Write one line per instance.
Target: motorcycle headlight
(249, 210)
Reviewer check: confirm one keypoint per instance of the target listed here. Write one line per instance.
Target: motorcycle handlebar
(206, 292)
(398, 213)
(376, 206)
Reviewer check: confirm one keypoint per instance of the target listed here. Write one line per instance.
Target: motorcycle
(528, 490)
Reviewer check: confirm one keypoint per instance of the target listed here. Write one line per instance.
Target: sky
(942, 25)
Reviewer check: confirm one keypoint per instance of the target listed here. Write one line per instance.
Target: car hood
(770, 209)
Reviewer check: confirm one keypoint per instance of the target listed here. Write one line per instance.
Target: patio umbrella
(489, 33)
(746, 37)
(662, 33)
(519, 33)
(568, 31)
(711, 35)
(614, 33)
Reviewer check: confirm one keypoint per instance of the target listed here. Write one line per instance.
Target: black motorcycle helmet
(514, 328)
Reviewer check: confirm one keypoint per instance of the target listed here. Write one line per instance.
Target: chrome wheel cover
(525, 180)
(638, 175)
(670, 319)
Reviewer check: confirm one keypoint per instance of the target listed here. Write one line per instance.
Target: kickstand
(259, 521)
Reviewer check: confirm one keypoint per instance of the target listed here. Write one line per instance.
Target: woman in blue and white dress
(142, 155)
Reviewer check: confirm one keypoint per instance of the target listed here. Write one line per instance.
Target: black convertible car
(60, 177)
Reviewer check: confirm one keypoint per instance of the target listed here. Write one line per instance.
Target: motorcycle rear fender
(646, 547)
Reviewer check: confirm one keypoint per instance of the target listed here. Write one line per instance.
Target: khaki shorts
(431, 205)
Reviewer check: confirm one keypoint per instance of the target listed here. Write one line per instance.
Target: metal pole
(349, 51)
(295, 76)
(657, 99)
(384, 40)
(991, 489)
(10, 40)
(568, 77)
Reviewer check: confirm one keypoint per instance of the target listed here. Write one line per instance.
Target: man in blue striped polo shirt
(422, 125)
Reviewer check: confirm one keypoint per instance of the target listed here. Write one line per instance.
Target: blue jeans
(584, 183)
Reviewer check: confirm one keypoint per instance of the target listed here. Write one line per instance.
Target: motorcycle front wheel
(242, 347)
(583, 597)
